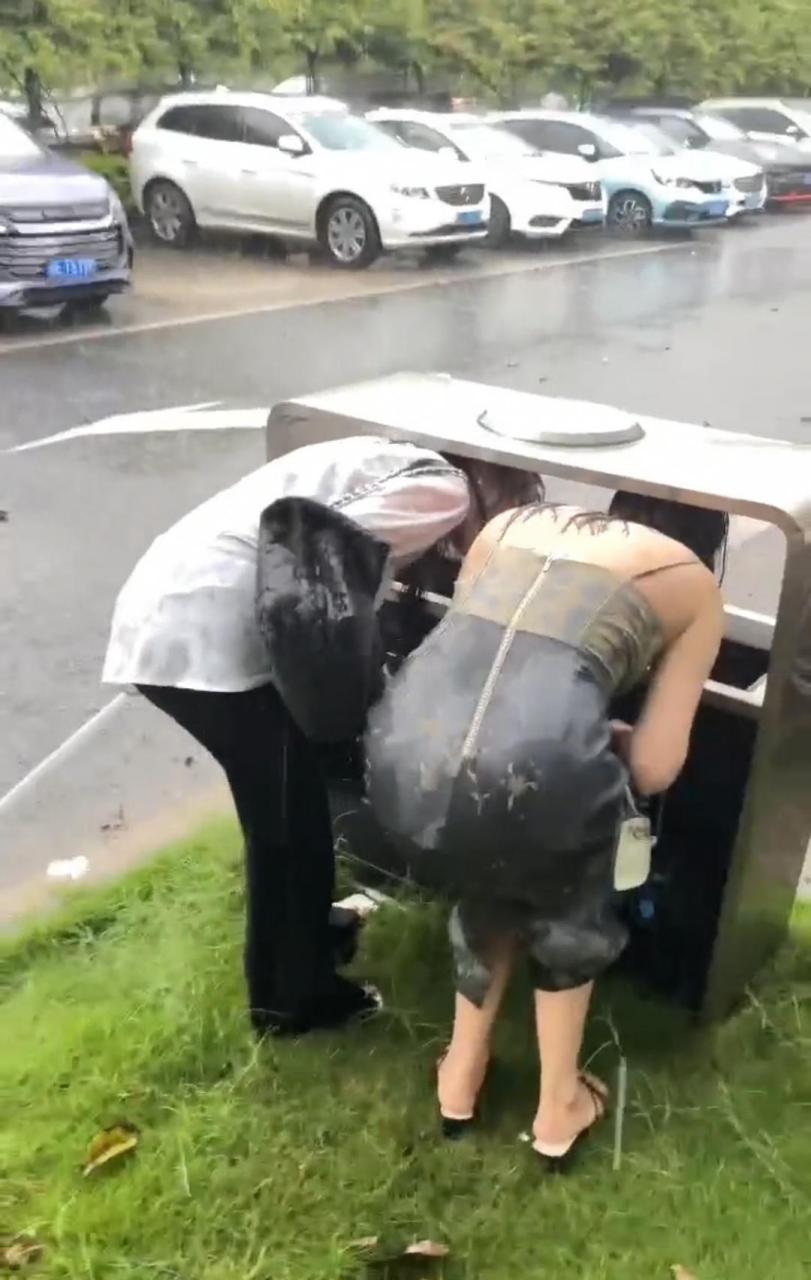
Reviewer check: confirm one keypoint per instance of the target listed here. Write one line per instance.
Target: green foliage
(499, 47)
(116, 170)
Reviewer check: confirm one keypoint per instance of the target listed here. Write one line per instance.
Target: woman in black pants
(185, 633)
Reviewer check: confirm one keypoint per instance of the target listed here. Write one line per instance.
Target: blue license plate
(72, 268)
(807, 179)
(717, 209)
(592, 215)
(469, 218)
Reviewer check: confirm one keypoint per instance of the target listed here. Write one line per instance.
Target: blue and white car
(63, 232)
(646, 184)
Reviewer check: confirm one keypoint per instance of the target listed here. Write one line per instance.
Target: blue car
(646, 184)
(63, 231)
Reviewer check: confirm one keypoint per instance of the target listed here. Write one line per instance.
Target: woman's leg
(566, 1105)
(463, 1068)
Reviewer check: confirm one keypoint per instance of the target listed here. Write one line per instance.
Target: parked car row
(311, 173)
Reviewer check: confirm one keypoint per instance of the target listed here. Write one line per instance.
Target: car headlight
(665, 180)
(117, 212)
(411, 193)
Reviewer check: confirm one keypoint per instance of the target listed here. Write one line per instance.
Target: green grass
(265, 1164)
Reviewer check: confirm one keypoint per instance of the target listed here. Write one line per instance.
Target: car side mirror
(587, 150)
(292, 145)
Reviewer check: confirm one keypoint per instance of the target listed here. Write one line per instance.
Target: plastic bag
(318, 577)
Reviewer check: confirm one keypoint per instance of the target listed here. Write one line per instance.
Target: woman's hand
(621, 734)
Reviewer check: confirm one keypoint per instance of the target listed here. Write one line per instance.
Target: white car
(767, 119)
(648, 182)
(302, 169)
(532, 195)
(743, 182)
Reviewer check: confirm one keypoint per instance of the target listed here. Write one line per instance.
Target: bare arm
(660, 741)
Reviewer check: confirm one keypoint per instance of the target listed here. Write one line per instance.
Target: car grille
(26, 257)
(754, 183)
(786, 182)
(585, 190)
(37, 213)
(709, 188)
(471, 194)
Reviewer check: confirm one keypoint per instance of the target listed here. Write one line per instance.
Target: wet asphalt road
(715, 329)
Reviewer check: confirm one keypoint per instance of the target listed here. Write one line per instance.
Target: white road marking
(189, 417)
(349, 295)
(64, 749)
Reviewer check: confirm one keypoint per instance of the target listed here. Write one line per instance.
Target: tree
(44, 42)
(399, 40)
(318, 29)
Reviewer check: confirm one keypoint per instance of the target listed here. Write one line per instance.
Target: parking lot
(706, 328)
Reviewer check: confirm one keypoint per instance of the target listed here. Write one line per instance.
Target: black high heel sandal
(559, 1161)
(453, 1128)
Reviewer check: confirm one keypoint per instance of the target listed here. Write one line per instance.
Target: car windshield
(802, 116)
(633, 140)
(661, 143)
(339, 131)
(484, 142)
(720, 130)
(15, 143)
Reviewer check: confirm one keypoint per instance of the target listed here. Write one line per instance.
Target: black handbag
(318, 578)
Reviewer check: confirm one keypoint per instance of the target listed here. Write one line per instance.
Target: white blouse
(186, 615)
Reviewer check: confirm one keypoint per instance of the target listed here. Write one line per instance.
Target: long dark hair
(494, 488)
(703, 532)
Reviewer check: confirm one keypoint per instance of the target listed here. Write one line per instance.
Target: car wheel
(169, 214)
(500, 226)
(629, 212)
(443, 252)
(348, 233)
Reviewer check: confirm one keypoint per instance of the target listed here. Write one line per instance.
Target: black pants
(281, 800)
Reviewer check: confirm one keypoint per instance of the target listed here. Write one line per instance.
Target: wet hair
(703, 532)
(496, 488)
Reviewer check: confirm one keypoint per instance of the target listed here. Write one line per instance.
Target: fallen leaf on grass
(110, 1144)
(681, 1273)
(428, 1249)
(397, 1261)
(19, 1252)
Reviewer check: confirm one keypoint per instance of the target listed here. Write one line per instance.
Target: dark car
(786, 165)
(63, 232)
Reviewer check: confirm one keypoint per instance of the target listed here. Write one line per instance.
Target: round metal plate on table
(565, 422)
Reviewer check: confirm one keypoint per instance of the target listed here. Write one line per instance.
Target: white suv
(303, 169)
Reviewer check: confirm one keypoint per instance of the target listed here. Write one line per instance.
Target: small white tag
(69, 869)
(633, 856)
